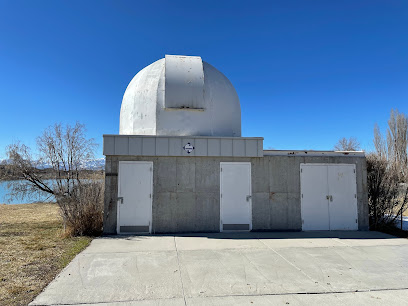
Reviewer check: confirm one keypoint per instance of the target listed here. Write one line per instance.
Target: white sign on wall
(188, 148)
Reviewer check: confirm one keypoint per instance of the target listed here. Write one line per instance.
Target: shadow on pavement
(268, 235)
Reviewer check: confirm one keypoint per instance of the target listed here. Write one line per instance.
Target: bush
(387, 195)
(82, 210)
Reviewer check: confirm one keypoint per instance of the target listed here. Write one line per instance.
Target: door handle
(120, 199)
(329, 197)
(248, 197)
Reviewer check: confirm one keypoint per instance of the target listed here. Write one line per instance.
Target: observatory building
(179, 164)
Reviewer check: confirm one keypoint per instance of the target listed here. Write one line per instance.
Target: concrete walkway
(337, 268)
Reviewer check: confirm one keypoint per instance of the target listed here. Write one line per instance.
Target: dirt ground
(33, 250)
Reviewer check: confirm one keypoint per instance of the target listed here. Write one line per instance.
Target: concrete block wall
(186, 191)
(276, 203)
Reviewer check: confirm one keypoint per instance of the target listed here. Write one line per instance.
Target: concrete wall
(186, 191)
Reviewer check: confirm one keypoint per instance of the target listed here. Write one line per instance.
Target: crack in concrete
(239, 295)
(256, 268)
(179, 268)
(293, 265)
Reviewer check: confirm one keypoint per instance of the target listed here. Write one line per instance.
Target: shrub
(82, 210)
(387, 195)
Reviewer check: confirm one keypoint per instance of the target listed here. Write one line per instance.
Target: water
(43, 197)
(404, 223)
(32, 198)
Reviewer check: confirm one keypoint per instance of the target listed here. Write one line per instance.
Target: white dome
(180, 96)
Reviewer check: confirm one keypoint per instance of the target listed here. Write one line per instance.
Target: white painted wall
(144, 110)
(137, 113)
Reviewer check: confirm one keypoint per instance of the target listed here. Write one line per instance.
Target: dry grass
(397, 211)
(32, 250)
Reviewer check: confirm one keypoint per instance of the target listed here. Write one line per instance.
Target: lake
(44, 197)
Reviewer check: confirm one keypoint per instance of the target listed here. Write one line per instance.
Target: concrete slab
(302, 243)
(347, 269)
(158, 302)
(391, 297)
(241, 272)
(373, 242)
(299, 268)
(126, 244)
(99, 277)
(217, 241)
(394, 297)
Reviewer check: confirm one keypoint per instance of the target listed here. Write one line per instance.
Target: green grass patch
(74, 247)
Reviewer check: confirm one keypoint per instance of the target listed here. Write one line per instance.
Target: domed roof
(180, 96)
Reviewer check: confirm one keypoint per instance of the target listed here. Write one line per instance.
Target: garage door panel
(315, 211)
(343, 197)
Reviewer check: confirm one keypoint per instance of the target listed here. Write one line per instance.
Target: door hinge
(221, 195)
(303, 221)
(355, 196)
(150, 195)
(302, 195)
(151, 168)
(354, 170)
(221, 169)
(301, 170)
(356, 220)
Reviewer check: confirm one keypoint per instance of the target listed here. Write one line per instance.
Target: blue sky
(307, 72)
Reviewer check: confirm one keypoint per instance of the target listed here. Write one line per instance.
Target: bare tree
(22, 174)
(388, 198)
(379, 143)
(345, 144)
(387, 172)
(64, 150)
(397, 141)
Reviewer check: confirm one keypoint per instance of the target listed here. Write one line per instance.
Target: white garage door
(235, 194)
(135, 187)
(328, 197)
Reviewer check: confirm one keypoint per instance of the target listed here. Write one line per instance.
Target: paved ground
(337, 268)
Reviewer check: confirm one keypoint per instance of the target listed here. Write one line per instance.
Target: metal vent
(235, 227)
(134, 229)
